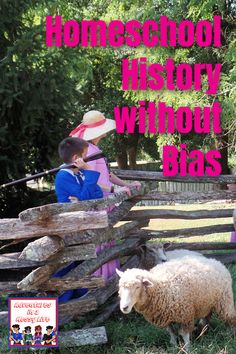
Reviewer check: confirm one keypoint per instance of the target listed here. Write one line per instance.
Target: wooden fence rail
(52, 236)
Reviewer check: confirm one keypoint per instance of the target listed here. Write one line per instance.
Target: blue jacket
(82, 185)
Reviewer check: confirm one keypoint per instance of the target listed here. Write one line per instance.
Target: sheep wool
(179, 292)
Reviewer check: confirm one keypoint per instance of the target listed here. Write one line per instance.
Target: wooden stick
(88, 267)
(158, 176)
(42, 249)
(68, 283)
(188, 232)
(37, 277)
(80, 337)
(36, 251)
(102, 235)
(3, 318)
(103, 294)
(178, 214)
(78, 306)
(200, 246)
(234, 218)
(106, 313)
(226, 258)
(46, 212)
(60, 224)
(187, 196)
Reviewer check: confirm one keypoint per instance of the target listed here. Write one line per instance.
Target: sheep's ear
(119, 272)
(147, 283)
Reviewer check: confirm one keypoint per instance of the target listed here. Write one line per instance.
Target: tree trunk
(223, 147)
(121, 158)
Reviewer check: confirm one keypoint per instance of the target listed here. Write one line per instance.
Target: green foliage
(44, 92)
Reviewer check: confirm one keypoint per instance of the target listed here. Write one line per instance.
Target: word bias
(194, 163)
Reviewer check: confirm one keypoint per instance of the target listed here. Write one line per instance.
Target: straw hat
(93, 125)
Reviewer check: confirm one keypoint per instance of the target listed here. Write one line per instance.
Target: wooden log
(234, 219)
(6, 287)
(76, 253)
(100, 296)
(201, 246)
(176, 197)
(4, 318)
(11, 261)
(178, 214)
(37, 277)
(42, 274)
(226, 258)
(78, 306)
(46, 212)
(56, 285)
(68, 283)
(43, 248)
(120, 212)
(188, 232)
(88, 267)
(69, 254)
(13, 243)
(158, 176)
(106, 313)
(60, 225)
(103, 294)
(102, 235)
(79, 337)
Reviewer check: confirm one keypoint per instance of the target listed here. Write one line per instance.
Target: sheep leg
(203, 325)
(185, 331)
(172, 334)
(226, 311)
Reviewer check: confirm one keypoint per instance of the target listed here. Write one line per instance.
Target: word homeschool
(166, 32)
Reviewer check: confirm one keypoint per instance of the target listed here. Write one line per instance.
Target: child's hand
(123, 189)
(136, 184)
(81, 164)
(73, 199)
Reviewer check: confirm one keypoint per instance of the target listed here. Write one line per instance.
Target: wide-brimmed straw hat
(93, 125)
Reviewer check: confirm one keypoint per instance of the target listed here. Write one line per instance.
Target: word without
(161, 119)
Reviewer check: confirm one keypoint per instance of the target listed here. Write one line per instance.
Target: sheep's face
(131, 286)
(159, 253)
(151, 255)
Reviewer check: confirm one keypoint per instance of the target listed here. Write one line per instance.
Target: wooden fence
(51, 236)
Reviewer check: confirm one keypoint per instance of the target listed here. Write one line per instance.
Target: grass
(132, 334)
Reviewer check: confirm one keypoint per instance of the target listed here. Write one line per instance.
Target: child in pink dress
(93, 128)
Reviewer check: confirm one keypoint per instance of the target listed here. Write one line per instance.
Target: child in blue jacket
(76, 182)
(79, 181)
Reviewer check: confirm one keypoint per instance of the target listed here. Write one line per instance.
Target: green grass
(132, 334)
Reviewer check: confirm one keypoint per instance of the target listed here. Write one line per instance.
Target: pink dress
(233, 236)
(107, 269)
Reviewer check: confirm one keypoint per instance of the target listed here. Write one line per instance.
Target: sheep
(153, 254)
(179, 292)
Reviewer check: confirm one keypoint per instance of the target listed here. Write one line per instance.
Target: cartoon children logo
(49, 337)
(27, 337)
(39, 319)
(15, 336)
(37, 338)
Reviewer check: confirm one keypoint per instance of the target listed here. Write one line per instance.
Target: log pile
(52, 236)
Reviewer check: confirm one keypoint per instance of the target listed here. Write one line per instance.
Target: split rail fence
(52, 236)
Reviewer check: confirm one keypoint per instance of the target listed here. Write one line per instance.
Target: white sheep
(179, 292)
(152, 254)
